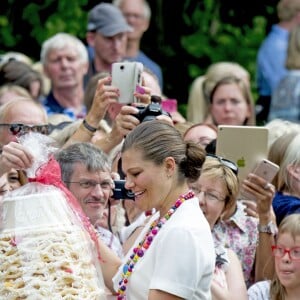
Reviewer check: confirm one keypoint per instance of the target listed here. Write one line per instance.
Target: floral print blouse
(239, 233)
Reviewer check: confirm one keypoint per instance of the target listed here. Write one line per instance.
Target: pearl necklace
(144, 245)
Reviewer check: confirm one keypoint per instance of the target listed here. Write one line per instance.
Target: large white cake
(44, 251)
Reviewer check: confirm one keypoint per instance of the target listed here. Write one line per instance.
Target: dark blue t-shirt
(284, 205)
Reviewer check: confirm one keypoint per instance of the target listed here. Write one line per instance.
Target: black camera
(120, 192)
(151, 111)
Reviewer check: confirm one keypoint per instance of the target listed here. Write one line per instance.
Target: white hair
(147, 9)
(60, 41)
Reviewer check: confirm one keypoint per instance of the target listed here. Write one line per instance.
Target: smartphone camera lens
(122, 67)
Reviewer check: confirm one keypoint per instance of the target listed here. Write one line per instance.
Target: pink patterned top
(240, 234)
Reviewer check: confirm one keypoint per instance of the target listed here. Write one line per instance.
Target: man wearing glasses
(86, 171)
(17, 117)
(20, 116)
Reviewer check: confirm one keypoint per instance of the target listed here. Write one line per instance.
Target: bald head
(20, 110)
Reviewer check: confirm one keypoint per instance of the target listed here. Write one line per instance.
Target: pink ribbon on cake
(50, 174)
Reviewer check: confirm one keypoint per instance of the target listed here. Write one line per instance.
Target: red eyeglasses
(19, 129)
(294, 253)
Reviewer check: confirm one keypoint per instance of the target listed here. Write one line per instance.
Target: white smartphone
(265, 169)
(126, 76)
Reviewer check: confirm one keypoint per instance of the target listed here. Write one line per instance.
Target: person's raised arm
(105, 95)
(123, 124)
(262, 208)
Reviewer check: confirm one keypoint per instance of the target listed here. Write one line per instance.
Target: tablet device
(244, 145)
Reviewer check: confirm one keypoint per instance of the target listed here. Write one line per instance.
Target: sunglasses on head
(225, 162)
(19, 129)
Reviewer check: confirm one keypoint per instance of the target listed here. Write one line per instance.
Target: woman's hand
(124, 122)
(105, 95)
(14, 156)
(143, 94)
(263, 192)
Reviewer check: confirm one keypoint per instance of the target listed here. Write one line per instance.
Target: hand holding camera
(151, 111)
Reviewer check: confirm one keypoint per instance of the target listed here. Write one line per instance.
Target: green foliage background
(185, 36)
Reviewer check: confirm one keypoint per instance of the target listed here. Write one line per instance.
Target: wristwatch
(270, 228)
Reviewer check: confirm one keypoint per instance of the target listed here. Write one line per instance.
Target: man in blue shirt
(65, 62)
(272, 55)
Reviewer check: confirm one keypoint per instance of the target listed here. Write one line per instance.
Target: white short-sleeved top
(259, 290)
(180, 260)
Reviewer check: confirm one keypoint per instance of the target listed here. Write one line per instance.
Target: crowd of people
(178, 228)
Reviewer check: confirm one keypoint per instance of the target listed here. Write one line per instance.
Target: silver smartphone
(126, 76)
(264, 169)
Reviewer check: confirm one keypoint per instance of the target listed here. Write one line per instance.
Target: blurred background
(184, 37)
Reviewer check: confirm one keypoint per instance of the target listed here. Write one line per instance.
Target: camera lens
(122, 67)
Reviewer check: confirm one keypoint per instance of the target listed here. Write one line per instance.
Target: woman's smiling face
(146, 179)
(211, 193)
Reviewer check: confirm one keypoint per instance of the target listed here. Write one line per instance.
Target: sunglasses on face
(19, 129)
(225, 162)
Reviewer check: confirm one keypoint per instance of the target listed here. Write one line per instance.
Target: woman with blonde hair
(231, 103)
(198, 102)
(217, 189)
(279, 127)
(287, 198)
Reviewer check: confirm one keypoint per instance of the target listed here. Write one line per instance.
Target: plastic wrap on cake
(46, 249)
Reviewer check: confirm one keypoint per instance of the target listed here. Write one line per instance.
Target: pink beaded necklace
(144, 245)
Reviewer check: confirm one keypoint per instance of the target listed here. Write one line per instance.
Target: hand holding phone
(126, 76)
(264, 169)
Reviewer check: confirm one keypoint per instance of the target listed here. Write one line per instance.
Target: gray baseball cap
(108, 20)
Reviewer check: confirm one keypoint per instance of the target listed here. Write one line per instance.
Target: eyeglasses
(226, 162)
(294, 253)
(19, 129)
(91, 184)
(208, 195)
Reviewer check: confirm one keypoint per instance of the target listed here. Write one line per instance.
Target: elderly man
(19, 116)
(65, 61)
(107, 38)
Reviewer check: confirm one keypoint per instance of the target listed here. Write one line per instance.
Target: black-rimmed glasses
(225, 162)
(19, 128)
